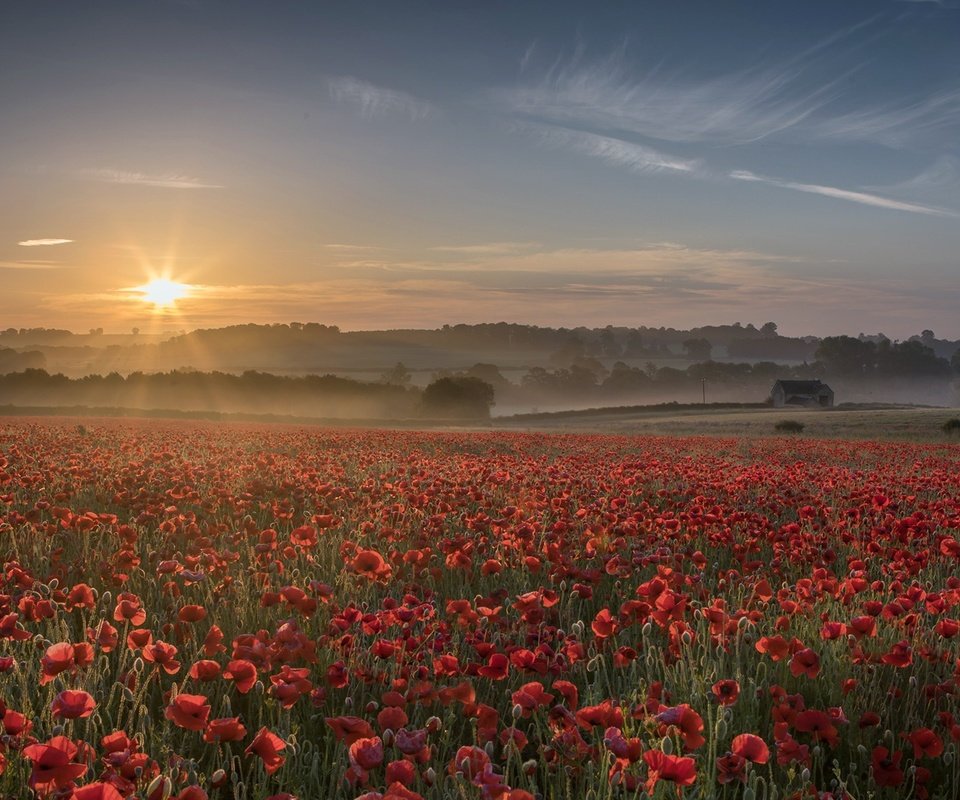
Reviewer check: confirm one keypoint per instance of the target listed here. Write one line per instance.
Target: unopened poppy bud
(748, 794)
(805, 775)
(160, 788)
(107, 598)
(517, 711)
(370, 707)
(646, 630)
(687, 638)
(388, 738)
(667, 745)
(138, 664)
(218, 778)
(258, 687)
(529, 766)
(430, 776)
(348, 702)
(54, 583)
(489, 748)
(57, 730)
(128, 695)
(433, 724)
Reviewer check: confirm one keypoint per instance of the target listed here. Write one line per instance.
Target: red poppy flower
(470, 762)
(805, 662)
(750, 747)
(370, 564)
(70, 704)
(243, 673)
(57, 658)
(730, 768)
(680, 770)
(925, 743)
(129, 609)
(886, 767)
(225, 729)
(366, 753)
(96, 791)
(687, 721)
(349, 729)
(163, 655)
(52, 764)
(726, 692)
(189, 711)
(268, 745)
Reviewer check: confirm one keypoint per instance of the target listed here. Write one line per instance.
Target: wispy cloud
(897, 124)
(806, 96)
(377, 101)
(942, 174)
(618, 152)
(734, 108)
(162, 180)
(845, 194)
(27, 265)
(487, 248)
(43, 242)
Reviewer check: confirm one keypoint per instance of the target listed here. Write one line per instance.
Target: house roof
(802, 387)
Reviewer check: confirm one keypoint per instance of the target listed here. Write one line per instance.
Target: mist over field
(313, 370)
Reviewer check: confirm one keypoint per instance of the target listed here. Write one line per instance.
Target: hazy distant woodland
(316, 370)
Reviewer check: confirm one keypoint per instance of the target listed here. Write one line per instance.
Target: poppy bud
(160, 788)
(529, 767)
(370, 707)
(517, 711)
(387, 737)
(667, 745)
(218, 778)
(433, 724)
(646, 630)
(488, 747)
(348, 703)
(57, 730)
(430, 776)
(128, 695)
(805, 775)
(138, 664)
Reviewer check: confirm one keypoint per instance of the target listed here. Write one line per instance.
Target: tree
(398, 375)
(698, 349)
(461, 397)
(769, 329)
(955, 361)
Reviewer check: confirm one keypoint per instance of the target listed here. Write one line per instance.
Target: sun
(162, 292)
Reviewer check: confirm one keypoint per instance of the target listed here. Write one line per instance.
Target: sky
(383, 164)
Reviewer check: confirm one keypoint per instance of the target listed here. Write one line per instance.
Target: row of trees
(252, 393)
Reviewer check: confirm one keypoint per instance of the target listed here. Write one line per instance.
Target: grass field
(908, 424)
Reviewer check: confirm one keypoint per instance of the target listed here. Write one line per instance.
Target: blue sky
(382, 164)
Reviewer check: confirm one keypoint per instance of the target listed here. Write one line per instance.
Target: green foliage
(789, 426)
(460, 397)
(952, 426)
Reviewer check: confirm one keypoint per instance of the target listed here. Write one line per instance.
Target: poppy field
(212, 611)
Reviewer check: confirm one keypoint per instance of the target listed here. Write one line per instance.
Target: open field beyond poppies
(195, 610)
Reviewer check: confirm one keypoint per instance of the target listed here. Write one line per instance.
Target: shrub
(952, 426)
(789, 426)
